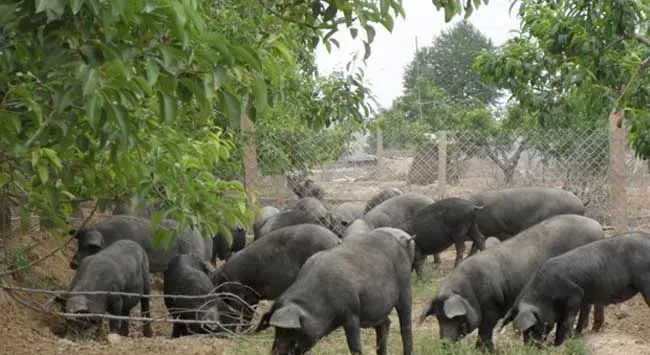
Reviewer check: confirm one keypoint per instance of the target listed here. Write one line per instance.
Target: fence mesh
(575, 160)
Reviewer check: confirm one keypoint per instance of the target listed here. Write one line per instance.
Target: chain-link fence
(575, 160)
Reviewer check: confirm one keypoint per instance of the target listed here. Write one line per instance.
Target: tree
(447, 66)
(99, 99)
(590, 58)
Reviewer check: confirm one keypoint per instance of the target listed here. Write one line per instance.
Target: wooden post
(442, 163)
(380, 147)
(617, 173)
(249, 149)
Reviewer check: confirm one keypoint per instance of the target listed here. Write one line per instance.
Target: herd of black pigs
(545, 264)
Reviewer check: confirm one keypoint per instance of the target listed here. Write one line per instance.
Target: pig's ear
(456, 306)
(94, 239)
(525, 320)
(287, 317)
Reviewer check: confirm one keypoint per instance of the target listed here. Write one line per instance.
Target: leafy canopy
(99, 99)
(586, 58)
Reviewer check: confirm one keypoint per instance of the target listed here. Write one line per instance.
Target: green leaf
(233, 108)
(76, 5)
(7, 12)
(43, 174)
(120, 116)
(261, 94)
(168, 106)
(153, 71)
(366, 47)
(53, 157)
(370, 31)
(54, 9)
(91, 82)
(94, 110)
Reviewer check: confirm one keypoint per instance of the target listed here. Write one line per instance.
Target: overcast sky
(391, 52)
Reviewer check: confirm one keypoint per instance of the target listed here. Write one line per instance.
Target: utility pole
(417, 78)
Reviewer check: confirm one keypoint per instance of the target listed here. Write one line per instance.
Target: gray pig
(443, 223)
(188, 275)
(380, 197)
(223, 249)
(91, 240)
(507, 212)
(306, 210)
(120, 267)
(354, 286)
(604, 272)
(262, 216)
(267, 267)
(357, 227)
(344, 214)
(397, 212)
(482, 288)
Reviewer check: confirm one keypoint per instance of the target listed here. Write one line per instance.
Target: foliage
(447, 66)
(575, 61)
(98, 99)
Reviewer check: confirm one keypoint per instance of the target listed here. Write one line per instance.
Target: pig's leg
(485, 330)
(115, 308)
(404, 310)
(144, 309)
(381, 331)
(460, 250)
(418, 263)
(599, 317)
(177, 330)
(477, 238)
(353, 334)
(583, 318)
(565, 323)
(437, 260)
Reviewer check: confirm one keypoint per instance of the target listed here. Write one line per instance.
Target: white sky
(391, 52)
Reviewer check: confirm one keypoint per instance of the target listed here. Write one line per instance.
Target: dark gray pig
(306, 210)
(344, 214)
(91, 240)
(120, 267)
(507, 212)
(263, 215)
(446, 222)
(222, 248)
(188, 275)
(482, 288)
(380, 197)
(354, 286)
(267, 267)
(398, 212)
(604, 272)
(357, 227)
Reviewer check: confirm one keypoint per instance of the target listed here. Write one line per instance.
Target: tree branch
(642, 39)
